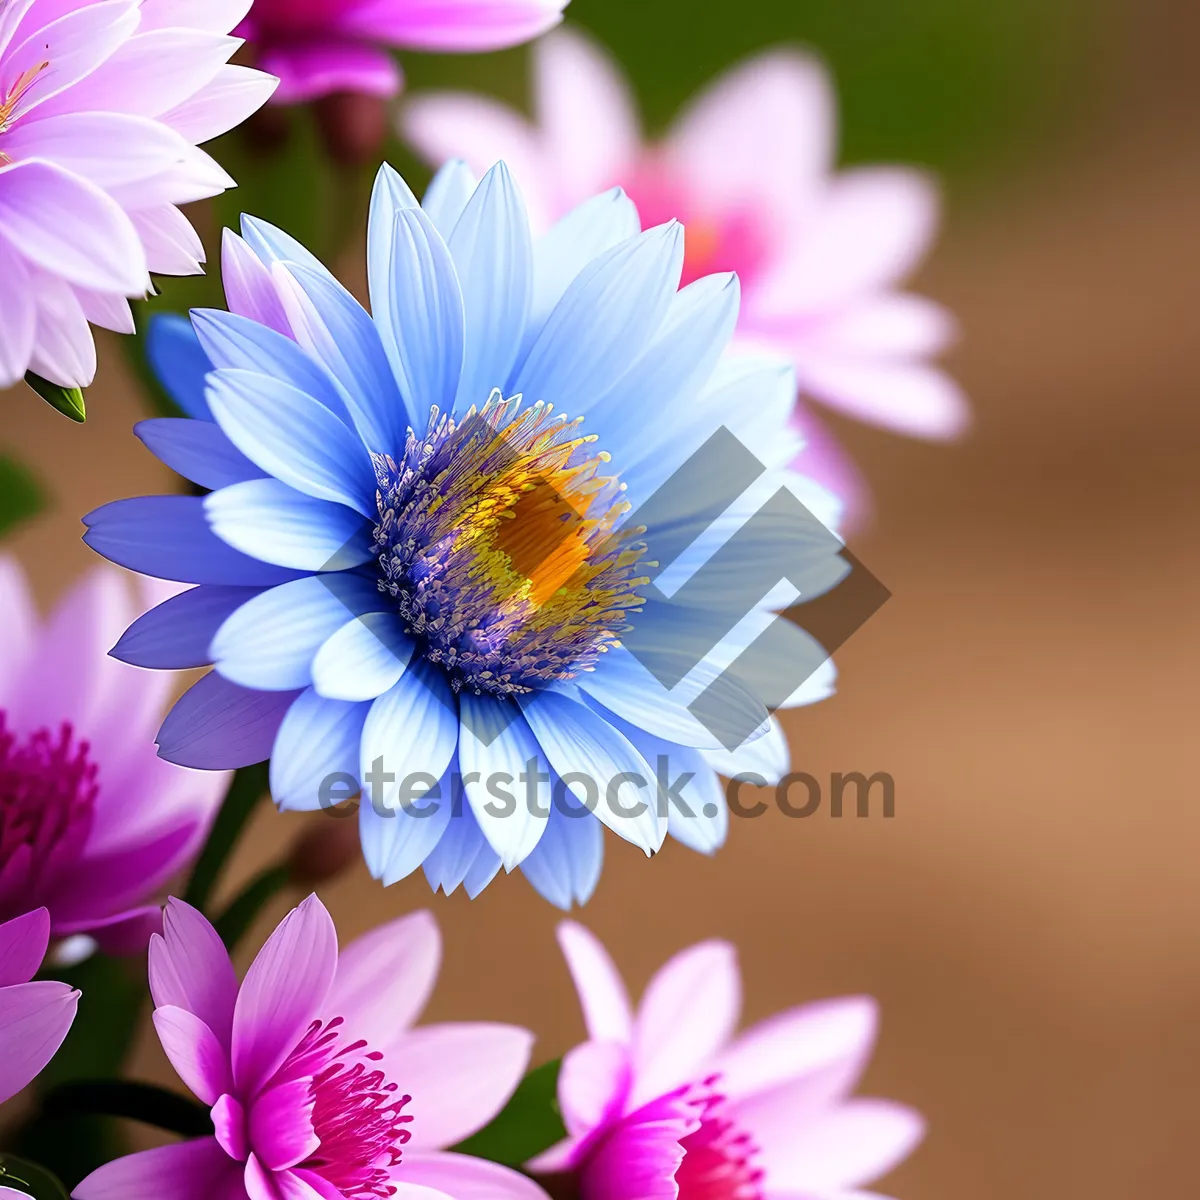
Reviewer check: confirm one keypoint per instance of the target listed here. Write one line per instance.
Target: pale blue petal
(462, 856)
(293, 437)
(267, 520)
(169, 537)
(605, 320)
(197, 450)
(421, 322)
(270, 641)
(578, 741)
(483, 870)
(272, 245)
(218, 726)
(447, 195)
(176, 358)
(495, 748)
(389, 195)
(493, 255)
(411, 731)
(364, 657)
(333, 327)
(396, 840)
(318, 739)
(560, 254)
(767, 757)
(243, 344)
(176, 634)
(565, 866)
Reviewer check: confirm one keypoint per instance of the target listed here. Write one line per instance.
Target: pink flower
(321, 46)
(102, 106)
(319, 1087)
(748, 169)
(668, 1096)
(34, 1017)
(92, 821)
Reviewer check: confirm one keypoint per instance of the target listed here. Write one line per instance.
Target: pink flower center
(47, 800)
(733, 239)
(357, 1113)
(718, 1163)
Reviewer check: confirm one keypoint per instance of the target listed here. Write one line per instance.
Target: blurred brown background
(1030, 919)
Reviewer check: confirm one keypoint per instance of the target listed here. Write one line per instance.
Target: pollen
(500, 538)
(12, 98)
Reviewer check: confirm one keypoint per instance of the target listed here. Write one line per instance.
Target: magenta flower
(34, 1017)
(92, 821)
(748, 169)
(321, 46)
(666, 1101)
(102, 106)
(319, 1087)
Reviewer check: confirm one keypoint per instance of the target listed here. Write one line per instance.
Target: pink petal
(172, 245)
(306, 71)
(607, 1012)
(213, 16)
(385, 978)
(283, 992)
(895, 325)
(305, 1185)
(823, 460)
(688, 1012)
(71, 228)
(849, 1146)
(909, 398)
(588, 123)
(281, 1129)
(198, 1057)
(638, 1159)
(107, 310)
(260, 1183)
(249, 289)
(467, 1178)
(18, 319)
(198, 1170)
(464, 1074)
(23, 943)
(123, 934)
(869, 229)
(229, 1122)
(453, 25)
(16, 603)
(190, 969)
(221, 104)
(34, 1019)
(763, 132)
(63, 349)
(593, 1086)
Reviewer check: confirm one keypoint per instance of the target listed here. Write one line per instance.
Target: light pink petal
(453, 25)
(763, 132)
(306, 71)
(482, 132)
(260, 1183)
(895, 325)
(198, 1170)
(34, 1019)
(107, 310)
(464, 1074)
(17, 611)
(688, 1012)
(908, 398)
(870, 229)
(829, 1041)
(467, 1178)
(305, 1185)
(849, 1146)
(229, 1124)
(283, 992)
(23, 943)
(172, 246)
(607, 1012)
(71, 228)
(212, 16)
(585, 112)
(196, 176)
(249, 288)
(63, 349)
(221, 104)
(823, 460)
(198, 1058)
(385, 978)
(18, 319)
(281, 1129)
(593, 1086)
(190, 968)
(123, 934)
(638, 1159)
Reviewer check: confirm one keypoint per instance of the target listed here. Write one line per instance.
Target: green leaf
(529, 1123)
(21, 496)
(68, 401)
(31, 1179)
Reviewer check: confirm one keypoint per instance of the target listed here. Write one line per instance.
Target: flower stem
(142, 1102)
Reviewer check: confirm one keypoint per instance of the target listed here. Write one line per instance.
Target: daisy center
(499, 539)
(47, 800)
(719, 1163)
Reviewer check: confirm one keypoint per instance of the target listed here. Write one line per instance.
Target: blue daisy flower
(471, 553)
